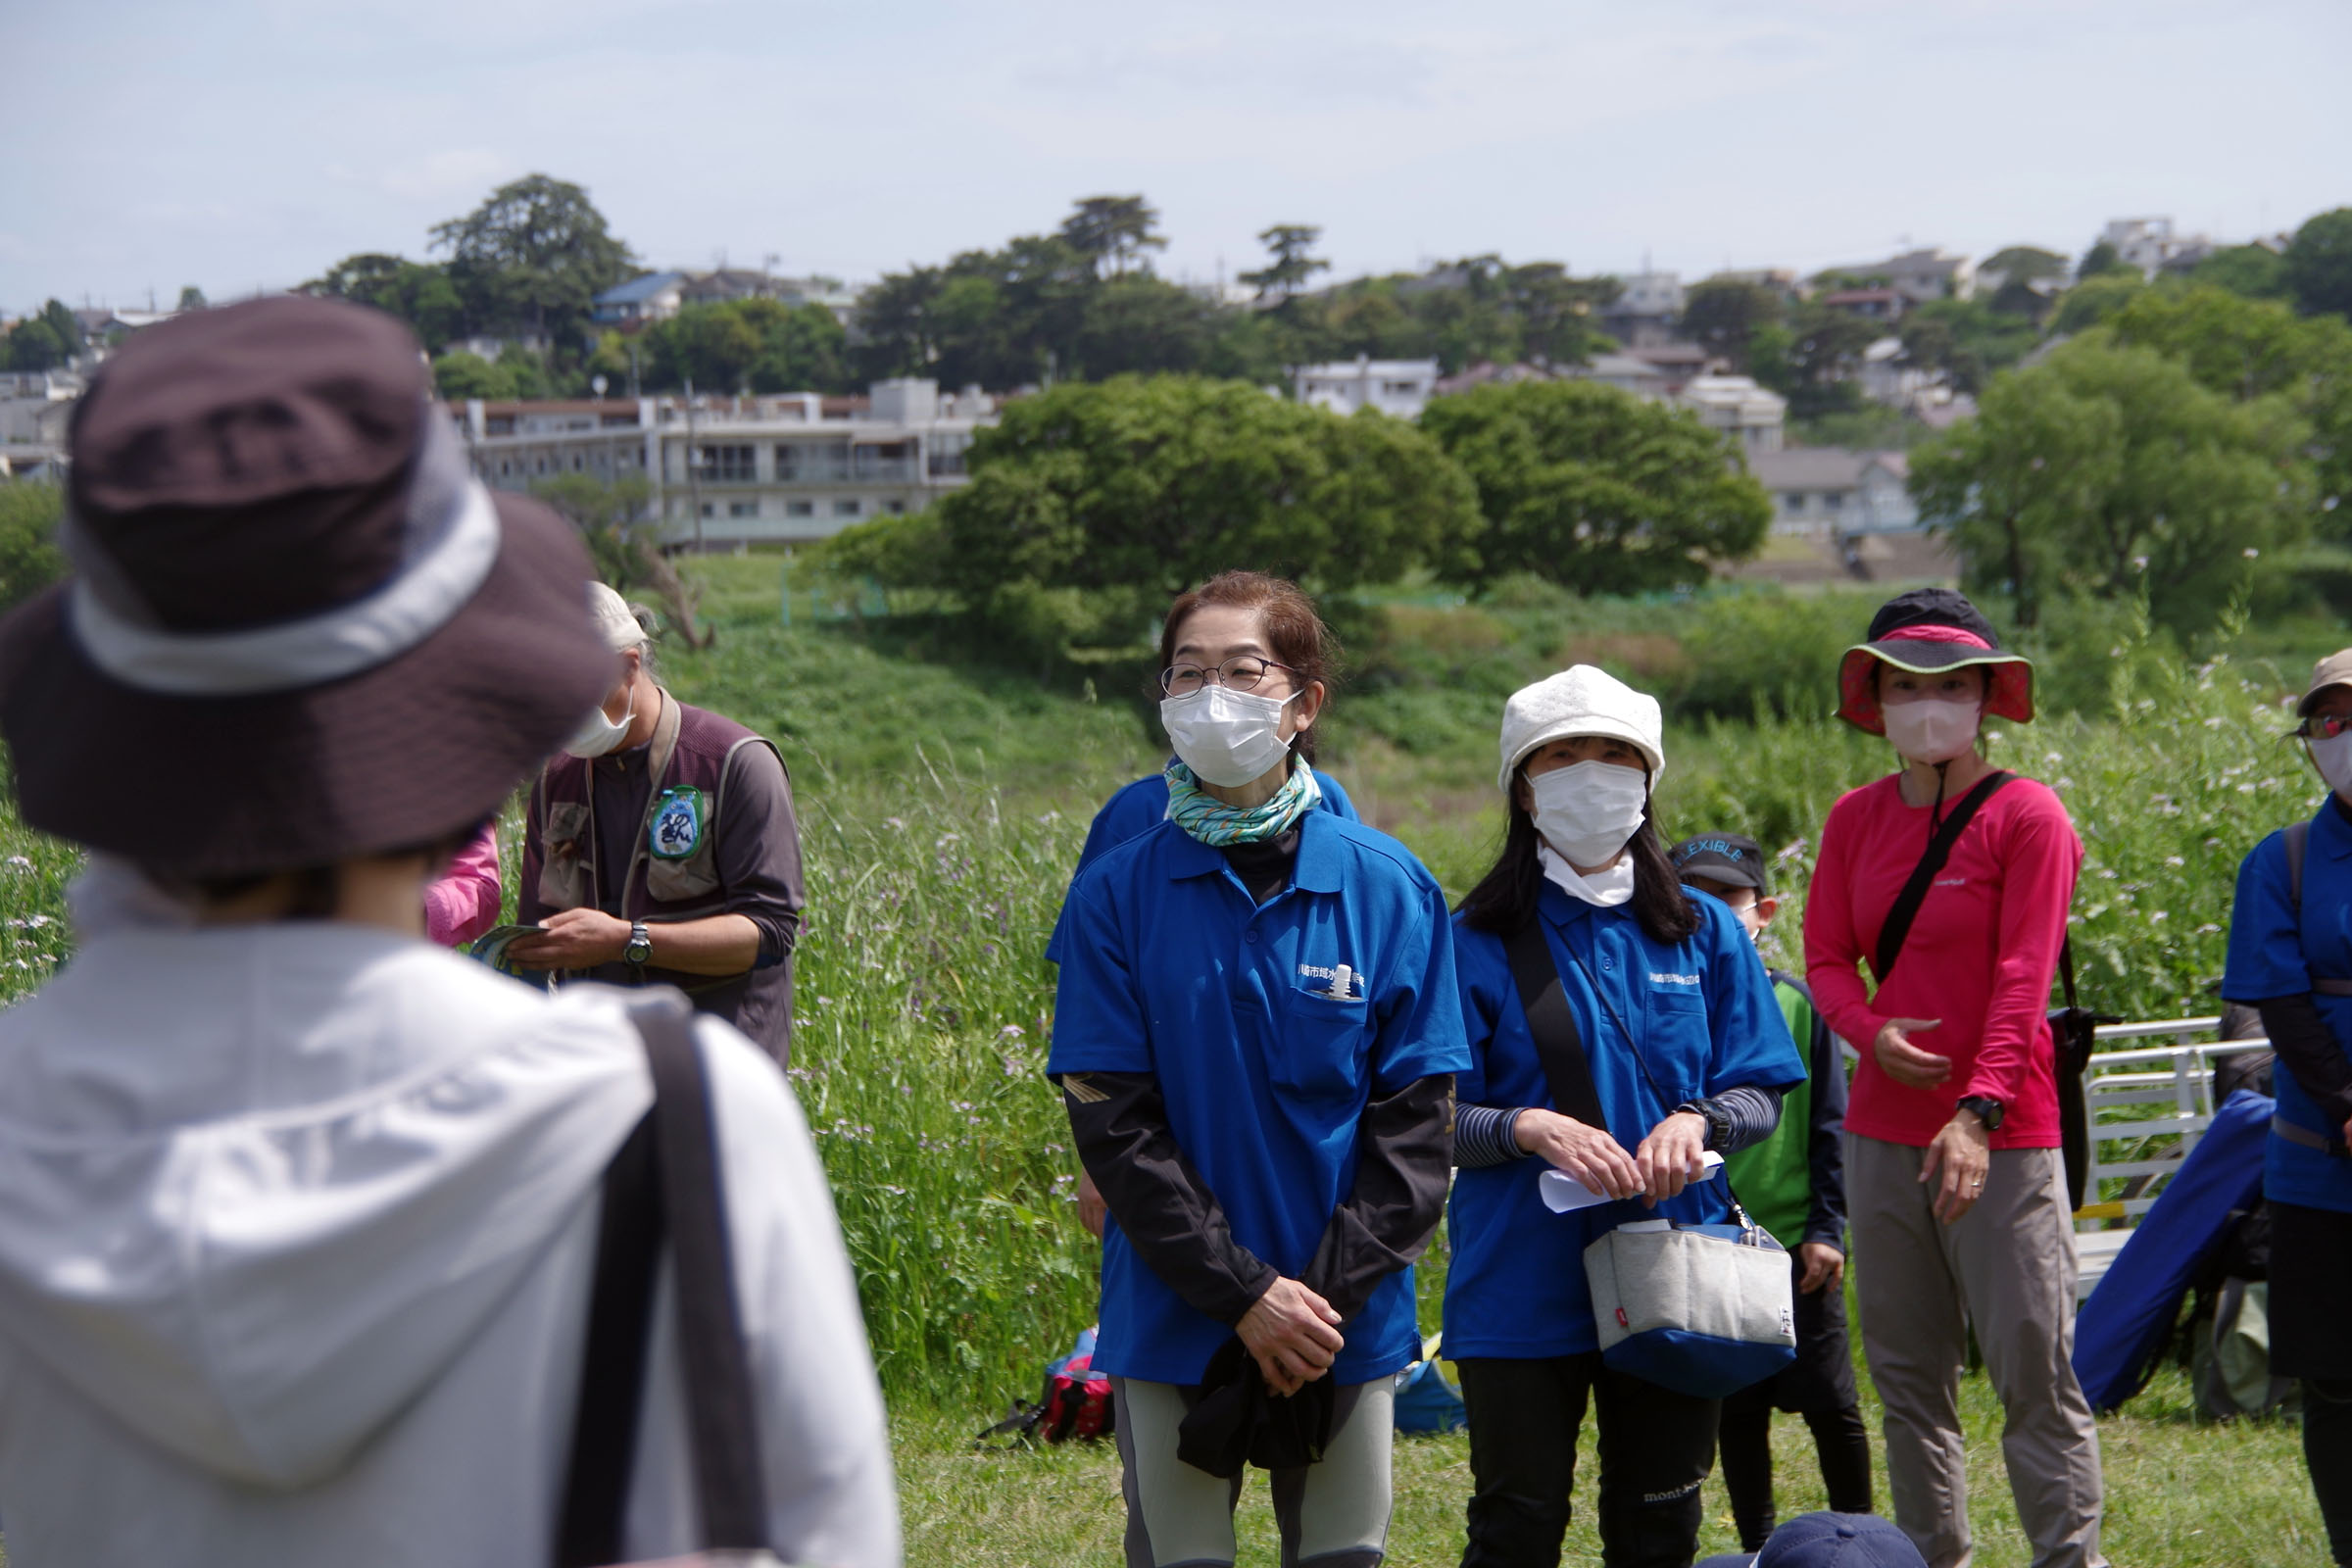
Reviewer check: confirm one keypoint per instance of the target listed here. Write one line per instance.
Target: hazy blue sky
(252, 142)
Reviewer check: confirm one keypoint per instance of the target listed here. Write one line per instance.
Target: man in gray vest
(661, 849)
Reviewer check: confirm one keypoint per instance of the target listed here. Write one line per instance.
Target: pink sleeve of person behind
(465, 902)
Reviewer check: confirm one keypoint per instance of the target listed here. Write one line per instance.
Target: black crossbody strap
(665, 1184)
(1907, 905)
(620, 1311)
(1559, 1044)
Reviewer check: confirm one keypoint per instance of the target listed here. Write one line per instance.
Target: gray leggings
(1333, 1514)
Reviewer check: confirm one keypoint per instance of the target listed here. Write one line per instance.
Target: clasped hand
(1294, 1333)
(1667, 1161)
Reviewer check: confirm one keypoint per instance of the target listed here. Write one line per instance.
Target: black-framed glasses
(2324, 726)
(1241, 673)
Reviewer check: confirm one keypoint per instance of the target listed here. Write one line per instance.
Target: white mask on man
(598, 734)
(1587, 810)
(1934, 729)
(1227, 738)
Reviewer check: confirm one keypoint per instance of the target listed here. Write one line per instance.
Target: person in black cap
(1793, 1183)
(304, 1211)
(1956, 1186)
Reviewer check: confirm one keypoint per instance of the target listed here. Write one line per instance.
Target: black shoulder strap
(1923, 875)
(1559, 1044)
(664, 1180)
(2298, 842)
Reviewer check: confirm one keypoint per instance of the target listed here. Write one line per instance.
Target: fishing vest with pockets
(672, 872)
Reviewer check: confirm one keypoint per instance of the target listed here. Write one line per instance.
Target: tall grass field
(943, 804)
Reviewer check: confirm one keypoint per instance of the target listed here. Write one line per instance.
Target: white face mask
(1934, 729)
(2332, 756)
(1589, 810)
(598, 734)
(1226, 737)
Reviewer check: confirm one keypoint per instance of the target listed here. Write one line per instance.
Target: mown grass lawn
(2179, 1494)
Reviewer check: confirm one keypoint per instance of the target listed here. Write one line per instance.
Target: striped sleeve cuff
(1482, 1136)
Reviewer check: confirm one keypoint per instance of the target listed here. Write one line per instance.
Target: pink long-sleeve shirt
(1980, 957)
(464, 904)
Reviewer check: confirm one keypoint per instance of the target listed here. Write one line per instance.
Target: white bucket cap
(1580, 701)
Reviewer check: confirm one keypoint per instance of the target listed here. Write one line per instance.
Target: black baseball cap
(1839, 1541)
(1730, 858)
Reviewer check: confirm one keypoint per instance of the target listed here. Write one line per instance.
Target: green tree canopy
(465, 374)
(1813, 360)
(1113, 233)
(33, 345)
(2023, 262)
(2255, 271)
(1092, 504)
(1595, 489)
(2318, 262)
(1290, 261)
(2248, 349)
(1722, 314)
(2103, 258)
(2091, 301)
(419, 294)
(753, 345)
(2106, 469)
(532, 255)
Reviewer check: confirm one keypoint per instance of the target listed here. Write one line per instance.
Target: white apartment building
(730, 472)
(2149, 243)
(1398, 387)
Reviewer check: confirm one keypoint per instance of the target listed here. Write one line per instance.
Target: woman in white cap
(1686, 1053)
(305, 1251)
(1955, 1185)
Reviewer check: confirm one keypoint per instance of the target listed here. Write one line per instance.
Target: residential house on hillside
(1676, 361)
(1780, 280)
(1871, 304)
(631, 305)
(1399, 387)
(1646, 310)
(2151, 245)
(730, 472)
(1628, 374)
(1834, 492)
(1750, 414)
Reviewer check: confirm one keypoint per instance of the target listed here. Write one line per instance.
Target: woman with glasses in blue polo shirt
(2290, 956)
(1255, 1037)
(1687, 1051)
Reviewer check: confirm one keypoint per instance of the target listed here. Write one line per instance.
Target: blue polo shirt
(1169, 968)
(2273, 954)
(1136, 809)
(1706, 1018)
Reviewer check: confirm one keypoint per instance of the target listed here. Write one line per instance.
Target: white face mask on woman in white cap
(1587, 810)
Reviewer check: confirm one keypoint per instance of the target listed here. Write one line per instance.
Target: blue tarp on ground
(2122, 1329)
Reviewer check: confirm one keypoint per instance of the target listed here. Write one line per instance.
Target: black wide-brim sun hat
(248, 480)
(1925, 632)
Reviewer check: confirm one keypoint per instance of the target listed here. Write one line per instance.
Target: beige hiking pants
(2007, 1267)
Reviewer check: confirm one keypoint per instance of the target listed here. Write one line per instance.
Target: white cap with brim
(1580, 701)
(614, 621)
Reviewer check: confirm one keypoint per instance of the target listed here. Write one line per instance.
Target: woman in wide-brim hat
(1955, 1182)
(302, 1212)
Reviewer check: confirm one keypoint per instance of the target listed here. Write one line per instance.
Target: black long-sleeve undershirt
(1176, 1225)
(2307, 1049)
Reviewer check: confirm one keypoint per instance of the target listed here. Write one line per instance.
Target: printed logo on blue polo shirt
(1346, 985)
(1660, 979)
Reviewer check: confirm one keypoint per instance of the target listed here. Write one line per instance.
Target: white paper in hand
(1563, 1192)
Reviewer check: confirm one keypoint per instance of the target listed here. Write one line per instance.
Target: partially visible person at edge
(463, 902)
(660, 848)
(1256, 1037)
(1133, 808)
(1956, 1186)
(304, 1210)
(1793, 1184)
(2291, 958)
(1688, 1053)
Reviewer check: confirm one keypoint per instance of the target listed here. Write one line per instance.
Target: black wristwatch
(1718, 1119)
(1988, 1109)
(641, 945)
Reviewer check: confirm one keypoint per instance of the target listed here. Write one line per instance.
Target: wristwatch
(1718, 1120)
(641, 945)
(1988, 1109)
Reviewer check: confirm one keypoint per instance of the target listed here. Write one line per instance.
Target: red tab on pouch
(1621, 1322)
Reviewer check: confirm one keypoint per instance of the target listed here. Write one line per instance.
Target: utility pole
(694, 469)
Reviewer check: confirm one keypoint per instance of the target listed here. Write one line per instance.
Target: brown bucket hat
(299, 628)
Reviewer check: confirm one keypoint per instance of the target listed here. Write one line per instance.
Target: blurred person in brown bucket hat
(299, 1212)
